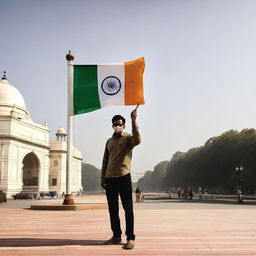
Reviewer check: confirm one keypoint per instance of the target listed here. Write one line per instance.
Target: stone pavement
(162, 228)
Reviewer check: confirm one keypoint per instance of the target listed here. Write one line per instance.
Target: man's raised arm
(136, 139)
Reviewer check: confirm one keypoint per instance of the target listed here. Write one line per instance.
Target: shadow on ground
(34, 242)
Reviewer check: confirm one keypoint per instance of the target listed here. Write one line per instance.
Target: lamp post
(239, 191)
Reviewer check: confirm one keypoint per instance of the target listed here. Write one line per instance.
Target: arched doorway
(30, 172)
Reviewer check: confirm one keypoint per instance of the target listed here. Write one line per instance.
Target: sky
(199, 79)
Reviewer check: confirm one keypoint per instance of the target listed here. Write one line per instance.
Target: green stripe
(85, 90)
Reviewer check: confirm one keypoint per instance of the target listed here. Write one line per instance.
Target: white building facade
(57, 170)
(28, 160)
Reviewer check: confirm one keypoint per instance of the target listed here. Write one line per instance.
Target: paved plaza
(163, 227)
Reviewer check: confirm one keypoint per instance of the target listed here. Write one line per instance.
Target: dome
(9, 95)
(61, 131)
(11, 101)
(61, 134)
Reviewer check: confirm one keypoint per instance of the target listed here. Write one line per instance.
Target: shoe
(113, 240)
(129, 245)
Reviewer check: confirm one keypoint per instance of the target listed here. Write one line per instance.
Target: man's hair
(118, 117)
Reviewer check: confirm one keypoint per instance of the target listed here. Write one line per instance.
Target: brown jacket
(118, 154)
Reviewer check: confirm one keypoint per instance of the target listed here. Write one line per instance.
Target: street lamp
(239, 191)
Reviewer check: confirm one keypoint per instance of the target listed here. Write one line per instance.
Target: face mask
(118, 129)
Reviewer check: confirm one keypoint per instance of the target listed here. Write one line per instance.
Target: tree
(211, 165)
(144, 183)
(91, 177)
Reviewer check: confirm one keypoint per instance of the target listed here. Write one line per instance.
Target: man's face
(118, 126)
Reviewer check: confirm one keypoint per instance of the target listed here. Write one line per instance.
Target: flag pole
(68, 199)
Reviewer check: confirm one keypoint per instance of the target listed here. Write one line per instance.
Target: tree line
(211, 166)
(91, 177)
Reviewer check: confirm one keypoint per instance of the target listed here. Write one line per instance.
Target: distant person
(116, 177)
(179, 193)
(170, 192)
(205, 194)
(239, 196)
(137, 194)
(3, 197)
(36, 196)
(185, 194)
(141, 196)
(190, 193)
(200, 192)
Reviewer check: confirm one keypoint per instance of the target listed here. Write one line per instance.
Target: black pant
(123, 187)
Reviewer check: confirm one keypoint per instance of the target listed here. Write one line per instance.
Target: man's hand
(134, 115)
(103, 183)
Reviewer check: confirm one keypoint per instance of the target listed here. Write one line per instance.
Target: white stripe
(113, 70)
(70, 89)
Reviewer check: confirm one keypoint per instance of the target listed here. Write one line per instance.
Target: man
(116, 178)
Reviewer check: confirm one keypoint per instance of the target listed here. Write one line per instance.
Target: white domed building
(28, 160)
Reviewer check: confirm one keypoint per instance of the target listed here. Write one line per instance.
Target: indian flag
(97, 86)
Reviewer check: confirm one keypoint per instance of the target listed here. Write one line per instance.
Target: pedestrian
(179, 193)
(200, 192)
(190, 193)
(205, 194)
(116, 177)
(139, 195)
(185, 193)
